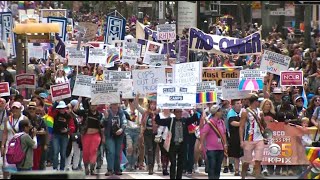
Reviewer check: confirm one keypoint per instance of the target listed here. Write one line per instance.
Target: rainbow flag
(206, 97)
(210, 63)
(152, 97)
(311, 153)
(227, 64)
(49, 121)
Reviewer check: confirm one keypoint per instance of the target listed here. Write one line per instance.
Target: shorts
(256, 147)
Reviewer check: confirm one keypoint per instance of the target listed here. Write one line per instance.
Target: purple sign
(183, 50)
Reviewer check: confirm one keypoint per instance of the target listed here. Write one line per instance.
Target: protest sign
(291, 78)
(4, 89)
(187, 73)
(90, 30)
(36, 50)
(217, 74)
(118, 43)
(169, 75)
(76, 57)
(132, 49)
(200, 41)
(176, 96)
(63, 26)
(155, 59)
(154, 48)
(97, 56)
(230, 89)
(206, 92)
(26, 81)
(145, 81)
(166, 32)
(113, 55)
(274, 63)
(219, 94)
(183, 50)
(8, 37)
(60, 91)
(115, 29)
(251, 79)
(53, 13)
(126, 88)
(186, 18)
(82, 86)
(116, 76)
(106, 93)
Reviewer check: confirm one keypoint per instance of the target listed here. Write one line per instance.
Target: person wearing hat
(63, 127)
(40, 126)
(299, 102)
(11, 126)
(276, 96)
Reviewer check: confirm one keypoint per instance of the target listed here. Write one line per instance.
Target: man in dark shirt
(5, 75)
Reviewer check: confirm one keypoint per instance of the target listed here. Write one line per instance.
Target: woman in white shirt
(61, 77)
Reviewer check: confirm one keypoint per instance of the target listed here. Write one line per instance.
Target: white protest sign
(166, 32)
(154, 48)
(116, 76)
(219, 93)
(97, 56)
(76, 57)
(251, 79)
(274, 63)
(176, 96)
(206, 92)
(155, 59)
(106, 93)
(169, 78)
(145, 81)
(187, 73)
(230, 89)
(126, 88)
(82, 86)
(132, 49)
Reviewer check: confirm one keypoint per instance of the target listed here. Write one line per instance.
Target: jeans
(150, 146)
(189, 152)
(113, 151)
(132, 145)
(176, 167)
(215, 159)
(60, 143)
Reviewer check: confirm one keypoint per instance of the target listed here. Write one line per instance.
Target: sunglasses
(317, 100)
(274, 84)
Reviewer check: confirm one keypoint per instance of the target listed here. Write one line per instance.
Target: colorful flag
(206, 97)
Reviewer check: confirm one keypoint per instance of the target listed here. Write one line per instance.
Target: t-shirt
(252, 129)
(212, 140)
(316, 114)
(27, 146)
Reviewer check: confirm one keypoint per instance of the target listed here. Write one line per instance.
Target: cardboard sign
(82, 86)
(206, 92)
(60, 91)
(176, 96)
(4, 89)
(126, 88)
(154, 48)
(97, 56)
(76, 57)
(217, 74)
(166, 32)
(115, 29)
(230, 89)
(145, 81)
(53, 13)
(106, 93)
(274, 63)
(291, 78)
(113, 55)
(132, 49)
(251, 80)
(116, 76)
(26, 81)
(155, 59)
(187, 73)
(90, 30)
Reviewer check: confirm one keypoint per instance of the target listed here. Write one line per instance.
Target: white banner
(97, 56)
(166, 32)
(116, 76)
(230, 89)
(82, 86)
(145, 81)
(76, 57)
(126, 88)
(187, 73)
(115, 29)
(274, 63)
(35, 50)
(176, 96)
(106, 93)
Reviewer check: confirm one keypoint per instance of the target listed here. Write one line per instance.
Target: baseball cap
(16, 104)
(277, 91)
(32, 104)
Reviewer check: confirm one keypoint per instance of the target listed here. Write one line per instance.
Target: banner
(126, 88)
(76, 57)
(251, 80)
(183, 51)
(186, 15)
(200, 41)
(62, 13)
(116, 76)
(166, 32)
(97, 56)
(145, 81)
(155, 59)
(82, 86)
(230, 89)
(106, 93)
(63, 26)
(4, 89)
(60, 91)
(115, 29)
(176, 96)
(187, 73)
(36, 50)
(8, 34)
(291, 78)
(217, 74)
(206, 92)
(274, 63)
(145, 34)
(132, 49)
(286, 147)
(26, 81)
(29, 18)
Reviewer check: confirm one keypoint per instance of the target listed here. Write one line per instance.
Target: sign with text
(274, 63)
(230, 89)
(155, 59)
(166, 32)
(4, 89)
(26, 81)
(126, 88)
(217, 74)
(145, 81)
(90, 30)
(60, 91)
(176, 96)
(291, 78)
(82, 86)
(106, 93)
(251, 80)
(53, 13)
(116, 76)
(132, 49)
(186, 14)
(115, 29)
(154, 48)
(63, 26)
(200, 41)
(187, 73)
(8, 37)
(76, 57)
(206, 92)
(97, 56)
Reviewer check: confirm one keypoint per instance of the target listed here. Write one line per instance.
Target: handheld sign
(291, 78)
(60, 91)
(26, 81)
(4, 89)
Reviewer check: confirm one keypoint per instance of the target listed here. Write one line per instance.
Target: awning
(36, 28)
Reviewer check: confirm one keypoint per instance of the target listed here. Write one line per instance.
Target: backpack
(15, 154)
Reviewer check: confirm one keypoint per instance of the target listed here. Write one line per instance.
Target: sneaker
(231, 168)
(165, 172)
(225, 170)
(109, 173)
(159, 167)
(237, 173)
(118, 173)
(196, 169)
(265, 172)
(189, 174)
